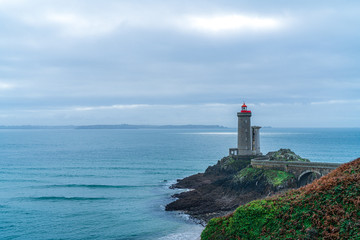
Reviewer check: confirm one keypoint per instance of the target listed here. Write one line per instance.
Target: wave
(54, 198)
(95, 186)
(189, 234)
(21, 180)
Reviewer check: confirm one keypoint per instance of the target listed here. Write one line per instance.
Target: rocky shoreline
(230, 183)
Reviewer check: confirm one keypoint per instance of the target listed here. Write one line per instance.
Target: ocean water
(113, 184)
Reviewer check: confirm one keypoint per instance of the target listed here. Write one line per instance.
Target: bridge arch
(308, 171)
(307, 177)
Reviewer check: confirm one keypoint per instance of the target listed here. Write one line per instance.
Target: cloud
(233, 23)
(95, 108)
(7, 3)
(82, 26)
(177, 59)
(137, 106)
(336, 101)
(91, 19)
(286, 115)
(6, 86)
(72, 23)
(78, 19)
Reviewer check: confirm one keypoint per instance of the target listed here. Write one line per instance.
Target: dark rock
(226, 185)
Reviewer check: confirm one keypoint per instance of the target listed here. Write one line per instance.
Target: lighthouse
(248, 137)
(244, 131)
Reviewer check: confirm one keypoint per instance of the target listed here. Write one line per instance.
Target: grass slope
(328, 208)
(272, 177)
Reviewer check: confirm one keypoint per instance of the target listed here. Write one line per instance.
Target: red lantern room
(244, 109)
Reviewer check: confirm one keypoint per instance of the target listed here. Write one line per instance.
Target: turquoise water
(113, 184)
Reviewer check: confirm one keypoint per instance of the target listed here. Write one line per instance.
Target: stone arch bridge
(305, 172)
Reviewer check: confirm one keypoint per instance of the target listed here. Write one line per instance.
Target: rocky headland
(230, 183)
(328, 208)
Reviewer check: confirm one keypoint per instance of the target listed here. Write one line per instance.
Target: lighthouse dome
(244, 109)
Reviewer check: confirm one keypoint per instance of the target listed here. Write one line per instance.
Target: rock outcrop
(228, 184)
(285, 155)
(328, 208)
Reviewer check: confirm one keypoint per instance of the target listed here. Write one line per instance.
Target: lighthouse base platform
(236, 153)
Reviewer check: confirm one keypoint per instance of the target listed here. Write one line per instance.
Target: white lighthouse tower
(248, 137)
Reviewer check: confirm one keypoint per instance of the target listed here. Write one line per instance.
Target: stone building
(248, 136)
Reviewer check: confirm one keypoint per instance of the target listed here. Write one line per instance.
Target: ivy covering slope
(273, 178)
(328, 208)
(285, 155)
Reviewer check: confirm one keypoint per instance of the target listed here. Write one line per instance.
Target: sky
(81, 62)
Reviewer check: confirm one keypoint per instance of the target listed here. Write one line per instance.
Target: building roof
(244, 109)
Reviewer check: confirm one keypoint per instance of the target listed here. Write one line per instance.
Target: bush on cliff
(274, 179)
(328, 208)
(285, 155)
(228, 165)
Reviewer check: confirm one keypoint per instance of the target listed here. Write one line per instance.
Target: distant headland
(116, 126)
(128, 126)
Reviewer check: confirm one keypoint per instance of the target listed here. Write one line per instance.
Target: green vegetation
(272, 177)
(228, 165)
(285, 155)
(248, 174)
(276, 177)
(328, 208)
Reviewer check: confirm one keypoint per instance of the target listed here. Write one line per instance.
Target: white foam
(192, 233)
(169, 183)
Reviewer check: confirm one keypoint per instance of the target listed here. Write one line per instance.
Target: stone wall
(297, 168)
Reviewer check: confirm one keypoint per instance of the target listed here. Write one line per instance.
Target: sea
(114, 183)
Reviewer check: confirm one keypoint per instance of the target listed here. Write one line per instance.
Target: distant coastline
(117, 126)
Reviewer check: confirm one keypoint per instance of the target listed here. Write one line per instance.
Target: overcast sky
(295, 63)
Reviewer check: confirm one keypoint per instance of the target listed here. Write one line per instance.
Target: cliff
(328, 208)
(228, 184)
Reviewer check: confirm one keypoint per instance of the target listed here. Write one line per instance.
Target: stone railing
(264, 161)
